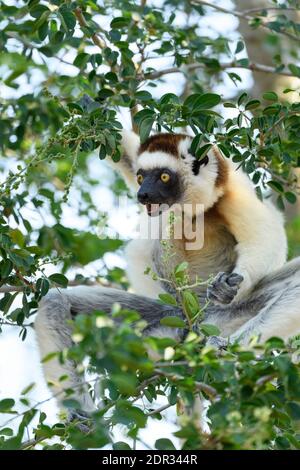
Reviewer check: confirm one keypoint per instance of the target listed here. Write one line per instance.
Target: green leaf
(252, 104)
(181, 267)
(276, 186)
(6, 405)
(145, 128)
(143, 95)
(270, 96)
(191, 303)
(242, 98)
(202, 151)
(168, 299)
(239, 47)
(209, 330)
(125, 382)
(293, 409)
(290, 197)
(120, 22)
(59, 279)
(295, 69)
(6, 432)
(81, 60)
(164, 444)
(67, 18)
(121, 446)
(173, 322)
(200, 102)
(227, 104)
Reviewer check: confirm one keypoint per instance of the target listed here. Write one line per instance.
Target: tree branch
(200, 386)
(243, 15)
(253, 11)
(83, 24)
(6, 289)
(160, 409)
(230, 65)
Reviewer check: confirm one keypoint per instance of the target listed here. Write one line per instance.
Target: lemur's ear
(198, 162)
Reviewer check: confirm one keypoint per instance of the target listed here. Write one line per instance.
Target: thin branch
(83, 24)
(200, 386)
(6, 289)
(32, 442)
(230, 65)
(147, 382)
(7, 323)
(243, 16)
(251, 11)
(159, 410)
(265, 379)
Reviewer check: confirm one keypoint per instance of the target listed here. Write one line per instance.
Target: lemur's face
(168, 173)
(159, 187)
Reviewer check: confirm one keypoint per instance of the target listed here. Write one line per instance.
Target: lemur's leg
(280, 313)
(54, 333)
(271, 309)
(138, 255)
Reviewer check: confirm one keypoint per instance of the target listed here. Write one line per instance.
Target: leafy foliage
(68, 70)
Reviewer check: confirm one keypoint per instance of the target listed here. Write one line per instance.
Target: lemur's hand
(217, 342)
(224, 288)
(80, 419)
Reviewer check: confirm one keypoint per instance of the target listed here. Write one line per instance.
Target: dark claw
(80, 419)
(234, 279)
(217, 342)
(224, 288)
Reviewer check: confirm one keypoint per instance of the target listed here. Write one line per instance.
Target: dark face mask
(158, 187)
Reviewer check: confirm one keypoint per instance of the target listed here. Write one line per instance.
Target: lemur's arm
(258, 229)
(126, 166)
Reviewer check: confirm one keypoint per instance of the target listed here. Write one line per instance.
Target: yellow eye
(140, 179)
(165, 177)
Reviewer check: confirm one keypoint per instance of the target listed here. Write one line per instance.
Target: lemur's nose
(143, 197)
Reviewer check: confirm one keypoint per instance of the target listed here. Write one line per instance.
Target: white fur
(259, 230)
(151, 160)
(138, 256)
(257, 226)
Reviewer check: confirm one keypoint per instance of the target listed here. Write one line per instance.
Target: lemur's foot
(224, 288)
(217, 342)
(80, 419)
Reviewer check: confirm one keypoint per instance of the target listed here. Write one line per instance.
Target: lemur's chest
(211, 250)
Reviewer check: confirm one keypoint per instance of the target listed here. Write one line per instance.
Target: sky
(19, 361)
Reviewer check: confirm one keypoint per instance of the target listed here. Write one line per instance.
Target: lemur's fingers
(224, 288)
(217, 342)
(80, 419)
(234, 279)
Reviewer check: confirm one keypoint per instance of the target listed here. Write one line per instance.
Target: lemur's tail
(54, 333)
(87, 299)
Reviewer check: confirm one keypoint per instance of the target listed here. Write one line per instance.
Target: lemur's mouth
(153, 209)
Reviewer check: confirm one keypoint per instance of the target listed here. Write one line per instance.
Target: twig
(251, 11)
(82, 22)
(6, 289)
(266, 378)
(147, 382)
(243, 16)
(32, 442)
(159, 410)
(230, 65)
(200, 386)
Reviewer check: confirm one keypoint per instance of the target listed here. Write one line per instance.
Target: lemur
(254, 291)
